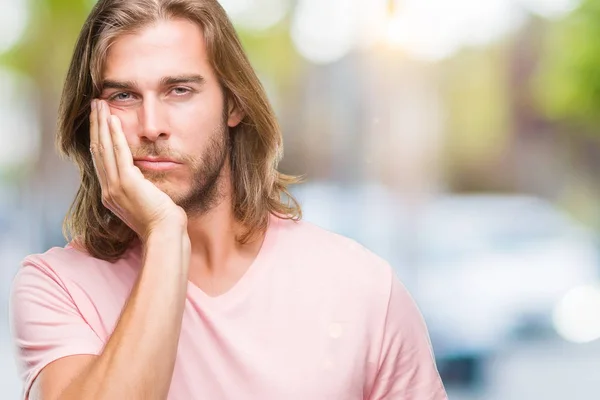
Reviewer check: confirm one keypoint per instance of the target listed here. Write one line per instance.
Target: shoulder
(51, 267)
(342, 252)
(73, 272)
(59, 261)
(71, 262)
(342, 263)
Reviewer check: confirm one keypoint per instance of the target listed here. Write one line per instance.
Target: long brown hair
(258, 188)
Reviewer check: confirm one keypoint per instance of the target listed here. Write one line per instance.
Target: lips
(156, 163)
(155, 159)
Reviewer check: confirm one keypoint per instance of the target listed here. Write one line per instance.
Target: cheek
(194, 122)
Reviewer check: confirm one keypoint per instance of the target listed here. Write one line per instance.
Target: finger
(106, 146)
(123, 156)
(94, 145)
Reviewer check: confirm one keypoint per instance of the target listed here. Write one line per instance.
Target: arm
(407, 367)
(138, 360)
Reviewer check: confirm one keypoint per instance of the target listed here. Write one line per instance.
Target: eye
(180, 91)
(122, 96)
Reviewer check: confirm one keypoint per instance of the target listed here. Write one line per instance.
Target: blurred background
(458, 139)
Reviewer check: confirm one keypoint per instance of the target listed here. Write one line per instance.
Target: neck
(213, 235)
(216, 253)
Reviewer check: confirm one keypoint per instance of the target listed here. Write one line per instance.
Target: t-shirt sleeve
(407, 366)
(45, 322)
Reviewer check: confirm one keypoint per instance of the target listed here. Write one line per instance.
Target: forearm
(138, 360)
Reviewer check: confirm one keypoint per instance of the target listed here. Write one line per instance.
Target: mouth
(155, 163)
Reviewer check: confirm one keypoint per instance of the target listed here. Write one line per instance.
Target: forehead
(165, 48)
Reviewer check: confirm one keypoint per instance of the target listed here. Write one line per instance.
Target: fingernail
(101, 105)
(93, 104)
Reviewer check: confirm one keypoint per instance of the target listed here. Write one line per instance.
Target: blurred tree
(272, 53)
(567, 90)
(45, 49)
(476, 91)
(567, 87)
(43, 55)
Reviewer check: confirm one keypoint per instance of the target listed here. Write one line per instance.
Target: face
(160, 83)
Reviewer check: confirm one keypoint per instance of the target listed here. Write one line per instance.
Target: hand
(125, 190)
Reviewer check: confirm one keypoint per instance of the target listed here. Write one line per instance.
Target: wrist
(167, 245)
(165, 233)
(174, 226)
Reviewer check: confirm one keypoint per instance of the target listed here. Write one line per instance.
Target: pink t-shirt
(316, 316)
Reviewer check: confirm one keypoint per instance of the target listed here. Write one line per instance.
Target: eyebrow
(165, 81)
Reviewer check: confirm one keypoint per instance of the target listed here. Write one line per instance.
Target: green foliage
(568, 84)
(272, 53)
(45, 49)
(474, 85)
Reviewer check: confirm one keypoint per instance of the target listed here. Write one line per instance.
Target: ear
(235, 115)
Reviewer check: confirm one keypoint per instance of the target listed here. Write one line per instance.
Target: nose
(153, 120)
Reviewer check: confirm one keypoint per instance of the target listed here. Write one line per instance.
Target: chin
(167, 186)
(176, 194)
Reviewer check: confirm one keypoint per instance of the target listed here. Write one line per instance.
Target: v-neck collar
(237, 291)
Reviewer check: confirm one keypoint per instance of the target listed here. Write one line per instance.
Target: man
(187, 276)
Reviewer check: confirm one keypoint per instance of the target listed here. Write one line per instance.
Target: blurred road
(12, 250)
(548, 370)
(10, 386)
